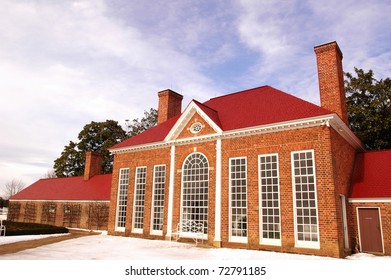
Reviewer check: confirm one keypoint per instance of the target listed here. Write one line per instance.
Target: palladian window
(195, 186)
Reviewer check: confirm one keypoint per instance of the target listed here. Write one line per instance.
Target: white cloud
(283, 33)
(67, 63)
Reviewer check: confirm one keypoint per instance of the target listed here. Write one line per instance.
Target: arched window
(195, 185)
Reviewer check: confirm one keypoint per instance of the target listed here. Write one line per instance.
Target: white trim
(196, 140)
(205, 236)
(189, 112)
(301, 243)
(344, 221)
(142, 147)
(218, 192)
(171, 192)
(370, 200)
(117, 228)
(152, 231)
(268, 241)
(280, 126)
(196, 127)
(239, 239)
(156, 232)
(380, 221)
(346, 133)
(325, 120)
(138, 230)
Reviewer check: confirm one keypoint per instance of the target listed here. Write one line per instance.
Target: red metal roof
(253, 107)
(211, 113)
(152, 135)
(261, 106)
(372, 175)
(68, 188)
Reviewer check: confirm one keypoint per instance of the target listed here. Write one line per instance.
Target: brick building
(259, 168)
(370, 203)
(79, 202)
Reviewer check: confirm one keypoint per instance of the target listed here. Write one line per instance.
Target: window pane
(305, 193)
(269, 190)
(158, 197)
(238, 189)
(195, 190)
(138, 208)
(122, 197)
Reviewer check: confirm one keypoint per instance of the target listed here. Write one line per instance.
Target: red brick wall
(149, 159)
(182, 152)
(284, 143)
(170, 105)
(93, 165)
(331, 79)
(343, 156)
(332, 160)
(131, 161)
(59, 219)
(186, 133)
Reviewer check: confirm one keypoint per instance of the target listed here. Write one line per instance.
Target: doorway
(370, 231)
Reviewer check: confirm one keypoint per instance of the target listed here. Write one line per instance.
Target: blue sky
(64, 63)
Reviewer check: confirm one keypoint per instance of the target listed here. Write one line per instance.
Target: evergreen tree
(99, 137)
(95, 137)
(137, 126)
(369, 108)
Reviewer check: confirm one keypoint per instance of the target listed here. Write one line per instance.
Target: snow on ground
(17, 238)
(107, 247)
(126, 257)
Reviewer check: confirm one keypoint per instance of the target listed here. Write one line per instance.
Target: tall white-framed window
(139, 199)
(122, 199)
(195, 190)
(159, 184)
(238, 199)
(269, 199)
(305, 199)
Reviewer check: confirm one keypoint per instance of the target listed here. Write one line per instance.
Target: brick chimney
(93, 165)
(331, 79)
(170, 105)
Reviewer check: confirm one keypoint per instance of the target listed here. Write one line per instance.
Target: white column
(171, 192)
(218, 192)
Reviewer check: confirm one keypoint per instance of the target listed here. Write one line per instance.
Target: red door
(370, 231)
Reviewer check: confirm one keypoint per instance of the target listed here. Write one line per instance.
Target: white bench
(2, 227)
(190, 229)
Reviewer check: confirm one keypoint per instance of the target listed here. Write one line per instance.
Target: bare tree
(51, 173)
(12, 187)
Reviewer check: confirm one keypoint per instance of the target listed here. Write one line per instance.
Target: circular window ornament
(196, 127)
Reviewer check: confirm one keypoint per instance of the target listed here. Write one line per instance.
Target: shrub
(18, 228)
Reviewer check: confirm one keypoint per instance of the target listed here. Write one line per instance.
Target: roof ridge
(65, 177)
(202, 104)
(376, 151)
(73, 177)
(241, 91)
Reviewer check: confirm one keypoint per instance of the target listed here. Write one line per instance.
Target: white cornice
(346, 133)
(281, 126)
(189, 112)
(136, 148)
(370, 200)
(326, 120)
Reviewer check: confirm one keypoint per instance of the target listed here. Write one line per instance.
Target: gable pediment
(197, 120)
